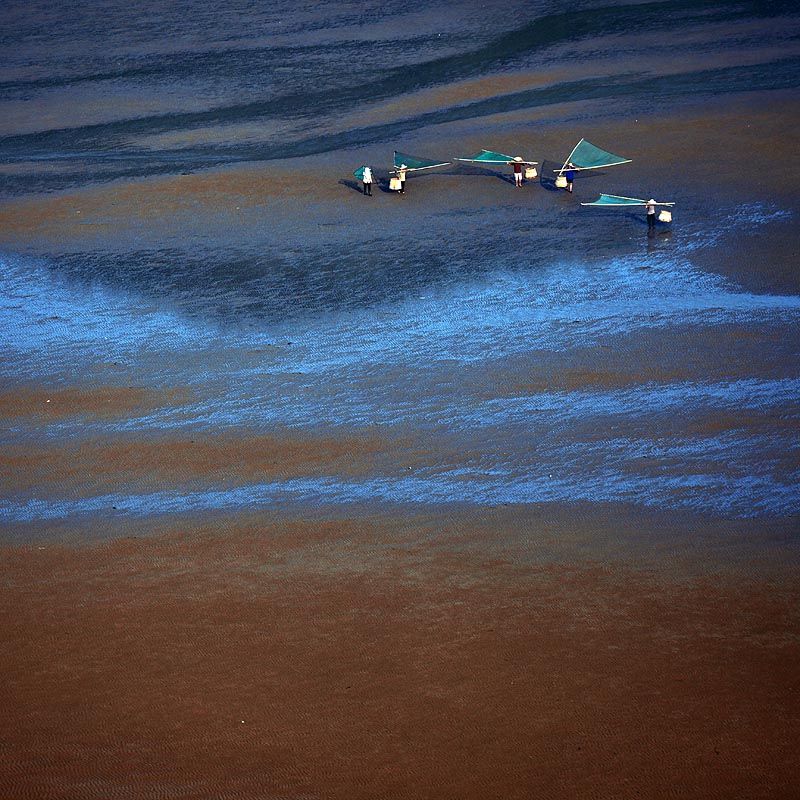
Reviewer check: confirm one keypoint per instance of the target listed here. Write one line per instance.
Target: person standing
(367, 179)
(401, 174)
(570, 176)
(650, 205)
(518, 166)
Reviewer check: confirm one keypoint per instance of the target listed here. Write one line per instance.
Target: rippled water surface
(531, 374)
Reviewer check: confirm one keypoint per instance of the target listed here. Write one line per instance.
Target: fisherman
(367, 179)
(518, 170)
(401, 174)
(650, 205)
(570, 176)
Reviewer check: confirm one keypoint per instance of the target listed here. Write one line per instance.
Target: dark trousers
(651, 220)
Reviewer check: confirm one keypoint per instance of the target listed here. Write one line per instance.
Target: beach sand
(706, 156)
(598, 654)
(582, 650)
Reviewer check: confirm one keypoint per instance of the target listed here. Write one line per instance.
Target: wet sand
(710, 158)
(583, 650)
(376, 658)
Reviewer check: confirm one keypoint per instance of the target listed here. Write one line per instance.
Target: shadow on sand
(356, 186)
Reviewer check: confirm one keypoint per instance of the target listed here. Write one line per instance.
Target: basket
(530, 173)
(561, 182)
(664, 215)
(395, 185)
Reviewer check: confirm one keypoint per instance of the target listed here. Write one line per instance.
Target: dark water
(456, 338)
(106, 90)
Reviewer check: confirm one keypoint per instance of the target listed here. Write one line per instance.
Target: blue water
(416, 365)
(486, 353)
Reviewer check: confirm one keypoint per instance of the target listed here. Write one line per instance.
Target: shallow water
(98, 92)
(492, 374)
(611, 370)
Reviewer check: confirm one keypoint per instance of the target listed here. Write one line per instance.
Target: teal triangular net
(587, 156)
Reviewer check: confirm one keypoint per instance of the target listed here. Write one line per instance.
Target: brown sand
(316, 660)
(697, 151)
